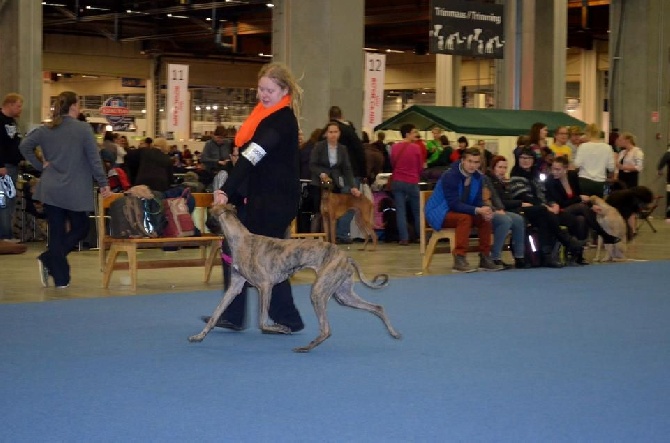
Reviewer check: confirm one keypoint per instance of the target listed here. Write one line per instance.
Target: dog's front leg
(236, 285)
(265, 296)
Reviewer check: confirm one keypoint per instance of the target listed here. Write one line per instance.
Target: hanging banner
(469, 28)
(177, 99)
(375, 67)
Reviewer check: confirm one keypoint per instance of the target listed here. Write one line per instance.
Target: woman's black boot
(520, 263)
(573, 245)
(549, 260)
(578, 260)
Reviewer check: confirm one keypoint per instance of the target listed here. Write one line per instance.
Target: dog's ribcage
(280, 259)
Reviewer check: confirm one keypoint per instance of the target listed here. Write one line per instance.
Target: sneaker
(63, 286)
(487, 264)
(44, 273)
(461, 264)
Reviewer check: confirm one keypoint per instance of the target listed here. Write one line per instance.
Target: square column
(21, 55)
(639, 77)
(322, 43)
(543, 54)
(447, 80)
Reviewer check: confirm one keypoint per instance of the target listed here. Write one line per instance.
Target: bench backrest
(202, 200)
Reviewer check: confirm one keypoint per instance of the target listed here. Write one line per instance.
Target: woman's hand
(220, 197)
(355, 192)
(106, 191)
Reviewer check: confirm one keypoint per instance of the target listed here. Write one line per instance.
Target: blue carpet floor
(580, 354)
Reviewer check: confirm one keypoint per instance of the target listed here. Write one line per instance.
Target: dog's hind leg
(236, 285)
(346, 296)
(319, 302)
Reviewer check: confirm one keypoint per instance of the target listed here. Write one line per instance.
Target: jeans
(61, 242)
(502, 224)
(404, 193)
(343, 226)
(7, 213)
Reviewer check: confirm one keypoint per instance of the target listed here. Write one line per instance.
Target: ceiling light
(176, 16)
(270, 5)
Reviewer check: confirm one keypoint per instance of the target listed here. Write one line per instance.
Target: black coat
(349, 138)
(273, 186)
(555, 192)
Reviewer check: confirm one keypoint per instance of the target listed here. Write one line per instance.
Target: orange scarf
(260, 112)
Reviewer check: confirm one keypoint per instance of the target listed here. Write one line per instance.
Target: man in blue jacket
(457, 203)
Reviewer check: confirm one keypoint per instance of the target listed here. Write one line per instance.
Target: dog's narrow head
(218, 215)
(217, 210)
(326, 183)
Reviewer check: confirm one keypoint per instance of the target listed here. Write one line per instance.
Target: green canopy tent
(491, 122)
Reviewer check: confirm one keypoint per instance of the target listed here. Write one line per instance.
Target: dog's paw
(302, 349)
(196, 338)
(275, 329)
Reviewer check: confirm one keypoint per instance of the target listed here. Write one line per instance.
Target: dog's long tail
(378, 282)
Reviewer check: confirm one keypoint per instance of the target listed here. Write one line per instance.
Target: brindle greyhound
(334, 206)
(265, 261)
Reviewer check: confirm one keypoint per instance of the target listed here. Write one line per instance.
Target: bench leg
(211, 259)
(432, 244)
(132, 266)
(108, 266)
(428, 255)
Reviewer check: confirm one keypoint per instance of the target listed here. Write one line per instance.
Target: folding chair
(646, 213)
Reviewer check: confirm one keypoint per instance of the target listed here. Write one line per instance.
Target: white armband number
(254, 153)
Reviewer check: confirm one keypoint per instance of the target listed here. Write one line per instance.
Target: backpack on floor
(533, 255)
(131, 217)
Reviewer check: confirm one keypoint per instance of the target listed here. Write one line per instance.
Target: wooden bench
(295, 234)
(209, 245)
(425, 232)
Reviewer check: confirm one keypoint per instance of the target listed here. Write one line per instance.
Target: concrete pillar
(508, 70)
(322, 42)
(543, 54)
(152, 90)
(639, 78)
(588, 87)
(21, 56)
(447, 80)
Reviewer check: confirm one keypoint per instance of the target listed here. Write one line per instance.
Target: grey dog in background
(265, 261)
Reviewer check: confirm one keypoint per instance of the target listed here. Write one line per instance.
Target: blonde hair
(592, 131)
(628, 136)
(283, 77)
(62, 107)
(12, 98)
(161, 144)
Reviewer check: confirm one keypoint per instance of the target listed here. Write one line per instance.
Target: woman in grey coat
(71, 158)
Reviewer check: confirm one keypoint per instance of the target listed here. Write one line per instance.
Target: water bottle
(3, 199)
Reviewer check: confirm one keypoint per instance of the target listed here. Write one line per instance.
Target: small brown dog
(334, 206)
(613, 223)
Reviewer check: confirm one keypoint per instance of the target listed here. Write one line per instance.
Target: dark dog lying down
(265, 261)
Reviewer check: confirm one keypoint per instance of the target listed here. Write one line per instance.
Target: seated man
(457, 203)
